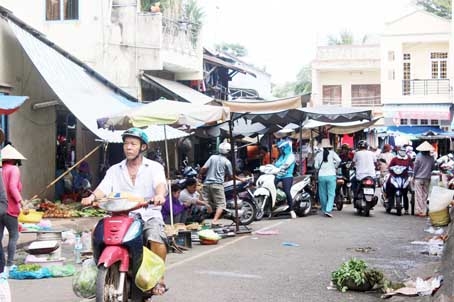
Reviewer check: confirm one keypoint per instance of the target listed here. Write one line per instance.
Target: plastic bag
(62, 270)
(84, 282)
(41, 273)
(440, 198)
(150, 271)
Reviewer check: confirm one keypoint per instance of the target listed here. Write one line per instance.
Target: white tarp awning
(341, 128)
(85, 96)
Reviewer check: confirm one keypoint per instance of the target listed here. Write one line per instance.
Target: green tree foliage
(194, 13)
(302, 85)
(345, 38)
(441, 8)
(235, 49)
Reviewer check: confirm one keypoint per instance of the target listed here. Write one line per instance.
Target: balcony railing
(180, 35)
(369, 101)
(425, 87)
(332, 101)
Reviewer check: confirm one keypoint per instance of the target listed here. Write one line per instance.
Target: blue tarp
(10, 103)
(413, 130)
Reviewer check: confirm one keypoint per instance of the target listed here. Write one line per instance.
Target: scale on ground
(45, 252)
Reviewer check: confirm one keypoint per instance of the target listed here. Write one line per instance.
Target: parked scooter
(246, 206)
(345, 169)
(187, 171)
(365, 197)
(118, 251)
(272, 201)
(400, 184)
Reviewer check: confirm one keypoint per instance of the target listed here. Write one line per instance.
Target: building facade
(347, 75)
(415, 78)
(114, 42)
(407, 78)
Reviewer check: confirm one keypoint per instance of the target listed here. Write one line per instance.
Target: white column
(316, 89)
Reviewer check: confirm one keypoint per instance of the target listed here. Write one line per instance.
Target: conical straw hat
(425, 146)
(8, 152)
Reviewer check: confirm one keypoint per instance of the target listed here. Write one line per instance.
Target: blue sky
(283, 35)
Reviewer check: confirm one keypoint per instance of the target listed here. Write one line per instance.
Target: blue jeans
(286, 186)
(327, 192)
(12, 225)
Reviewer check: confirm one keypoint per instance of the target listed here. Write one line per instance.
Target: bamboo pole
(66, 172)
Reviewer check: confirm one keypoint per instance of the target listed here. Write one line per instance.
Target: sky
(283, 35)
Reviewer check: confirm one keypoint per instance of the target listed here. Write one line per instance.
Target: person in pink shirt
(13, 187)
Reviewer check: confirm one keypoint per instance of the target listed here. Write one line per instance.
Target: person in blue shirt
(286, 163)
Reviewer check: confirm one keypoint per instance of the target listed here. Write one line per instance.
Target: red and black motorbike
(118, 251)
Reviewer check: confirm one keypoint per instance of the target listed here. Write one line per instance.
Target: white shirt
(365, 163)
(149, 175)
(327, 168)
(188, 198)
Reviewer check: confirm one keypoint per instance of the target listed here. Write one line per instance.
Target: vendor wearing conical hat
(13, 187)
(424, 164)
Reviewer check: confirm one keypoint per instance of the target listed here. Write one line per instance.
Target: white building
(406, 78)
(416, 82)
(70, 58)
(347, 75)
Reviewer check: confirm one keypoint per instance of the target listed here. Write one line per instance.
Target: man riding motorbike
(402, 159)
(286, 162)
(142, 177)
(364, 161)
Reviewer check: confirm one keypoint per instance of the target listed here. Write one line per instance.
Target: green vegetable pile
(355, 275)
(28, 267)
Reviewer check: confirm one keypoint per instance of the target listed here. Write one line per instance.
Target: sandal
(159, 289)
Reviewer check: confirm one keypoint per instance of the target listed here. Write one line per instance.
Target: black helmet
(362, 144)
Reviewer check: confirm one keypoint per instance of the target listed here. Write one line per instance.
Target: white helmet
(224, 148)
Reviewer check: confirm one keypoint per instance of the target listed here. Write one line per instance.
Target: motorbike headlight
(135, 229)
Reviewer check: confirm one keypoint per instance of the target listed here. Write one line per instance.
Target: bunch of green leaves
(28, 267)
(351, 270)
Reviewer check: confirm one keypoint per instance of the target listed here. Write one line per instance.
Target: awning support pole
(169, 186)
(232, 153)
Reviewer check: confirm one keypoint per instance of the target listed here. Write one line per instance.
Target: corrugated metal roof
(186, 93)
(86, 96)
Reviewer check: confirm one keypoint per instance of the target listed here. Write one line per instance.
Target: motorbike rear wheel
(107, 283)
(301, 207)
(398, 203)
(339, 201)
(367, 211)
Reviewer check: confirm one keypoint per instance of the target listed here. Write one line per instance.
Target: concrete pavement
(445, 265)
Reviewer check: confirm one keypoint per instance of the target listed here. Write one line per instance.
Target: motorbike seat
(297, 179)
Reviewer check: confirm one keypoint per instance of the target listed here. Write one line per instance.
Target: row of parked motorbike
(263, 199)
